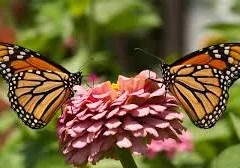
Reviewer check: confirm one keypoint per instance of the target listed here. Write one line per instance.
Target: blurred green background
(72, 32)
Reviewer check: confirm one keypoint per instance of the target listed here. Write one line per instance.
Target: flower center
(115, 86)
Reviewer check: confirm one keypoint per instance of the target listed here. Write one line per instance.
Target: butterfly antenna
(147, 53)
(86, 63)
(87, 83)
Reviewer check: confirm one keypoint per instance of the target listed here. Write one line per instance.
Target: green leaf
(220, 130)
(230, 30)
(228, 158)
(79, 61)
(7, 120)
(236, 123)
(125, 15)
(188, 159)
(53, 159)
(234, 99)
(14, 140)
(107, 163)
(12, 159)
(78, 8)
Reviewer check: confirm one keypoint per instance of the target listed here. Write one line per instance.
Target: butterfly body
(37, 86)
(201, 80)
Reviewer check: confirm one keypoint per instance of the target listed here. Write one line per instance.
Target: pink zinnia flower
(129, 114)
(170, 146)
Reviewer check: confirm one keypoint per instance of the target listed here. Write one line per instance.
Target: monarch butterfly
(200, 81)
(37, 86)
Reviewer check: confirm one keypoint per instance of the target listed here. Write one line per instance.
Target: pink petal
(71, 133)
(120, 99)
(70, 123)
(139, 92)
(159, 92)
(80, 142)
(131, 125)
(144, 95)
(172, 116)
(139, 133)
(153, 112)
(110, 132)
(102, 107)
(130, 106)
(158, 108)
(99, 115)
(80, 127)
(148, 74)
(94, 105)
(156, 122)
(95, 127)
(85, 117)
(101, 96)
(140, 112)
(151, 130)
(113, 123)
(121, 112)
(81, 113)
(124, 142)
(113, 112)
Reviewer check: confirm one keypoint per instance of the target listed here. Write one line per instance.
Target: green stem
(126, 158)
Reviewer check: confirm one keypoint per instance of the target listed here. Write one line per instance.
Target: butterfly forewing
(202, 91)
(224, 57)
(15, 59)
(36, 95)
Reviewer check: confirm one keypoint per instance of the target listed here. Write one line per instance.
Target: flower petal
(99, 115)
(113, 123)
(140, 112)
(95, 127)
(130, 106)
(124, 142)
(131, 125)
(113, 112)
(94, 105)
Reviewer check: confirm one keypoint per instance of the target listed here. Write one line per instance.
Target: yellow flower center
(115, 86)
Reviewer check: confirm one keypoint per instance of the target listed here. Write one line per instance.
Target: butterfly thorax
(166, 75)
(76, 78)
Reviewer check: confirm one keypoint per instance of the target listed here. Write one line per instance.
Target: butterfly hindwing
(36, 95)
(201, 90)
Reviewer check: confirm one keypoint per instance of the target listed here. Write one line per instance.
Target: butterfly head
(77, 78)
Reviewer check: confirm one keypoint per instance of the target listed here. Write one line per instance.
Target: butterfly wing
(15, 59)
(217, 56)
(202, 91)
(224, 57)
(36, 95)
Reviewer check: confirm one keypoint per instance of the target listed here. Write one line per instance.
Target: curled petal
(113, 123)
(94, 105)
(95, 127)
(124, 142)
(130, 106)
(113, 112)
(131, 125)
(140, 112)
